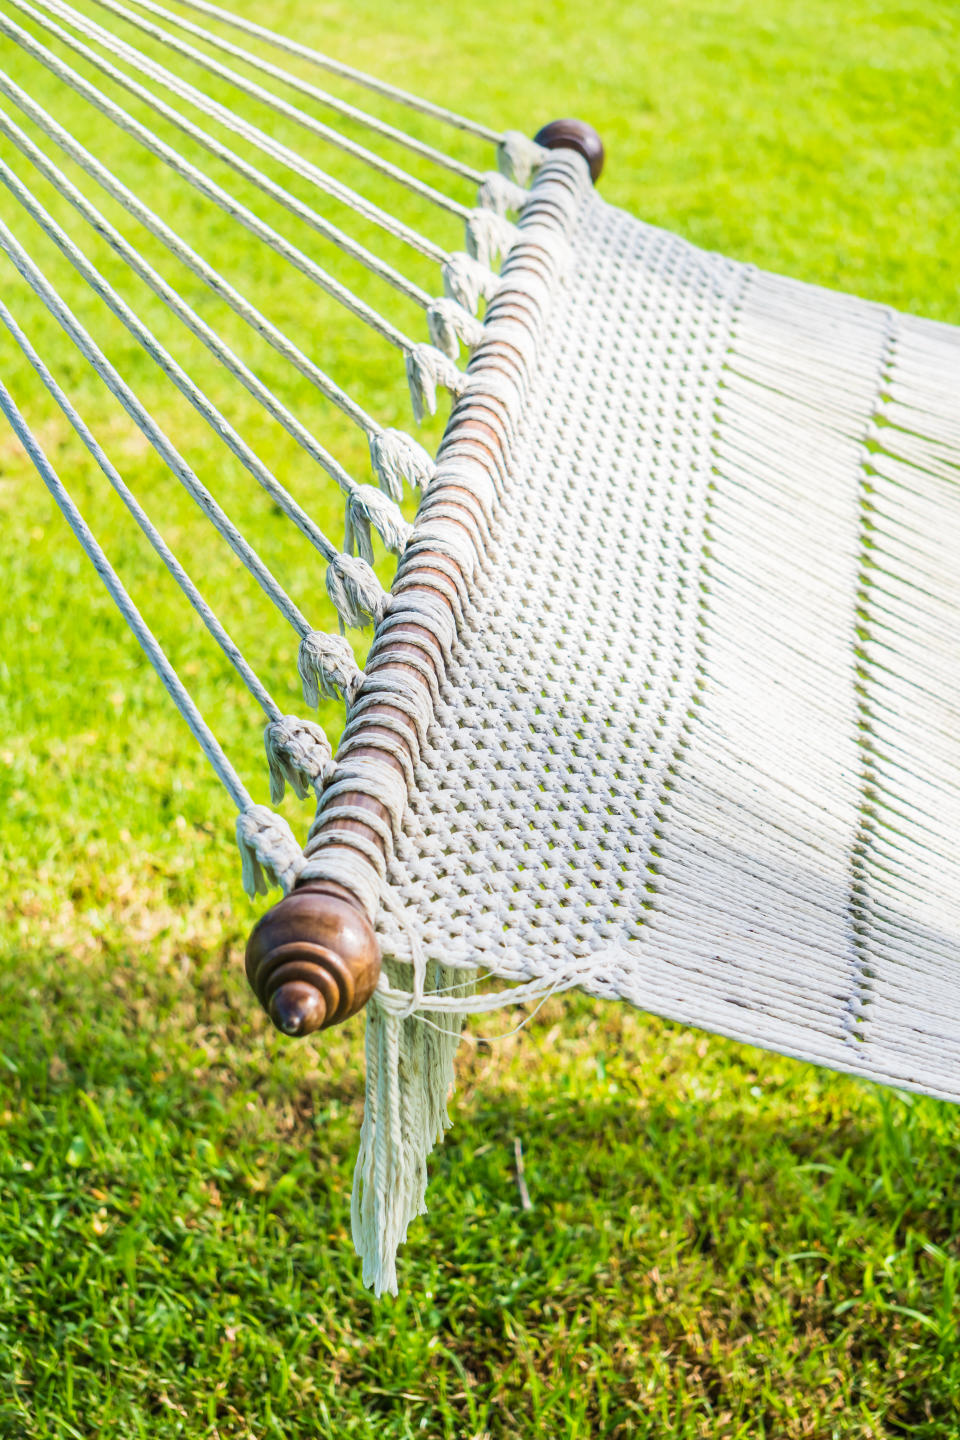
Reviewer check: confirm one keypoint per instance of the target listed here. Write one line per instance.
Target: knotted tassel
(428, 367)
(366, 506)
(396, 458)
(327, 667)
(269, 853)
(298, 754)
(501, 195)
(467, 281)
(355, 591)
(518, 157)
(409, 1074)
(489, 236)
(449, 323)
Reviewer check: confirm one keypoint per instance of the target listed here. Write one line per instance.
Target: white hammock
(664, 702)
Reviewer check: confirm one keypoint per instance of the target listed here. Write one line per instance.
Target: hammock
(663, 700)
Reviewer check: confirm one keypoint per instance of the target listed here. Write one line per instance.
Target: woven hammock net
(695, 743)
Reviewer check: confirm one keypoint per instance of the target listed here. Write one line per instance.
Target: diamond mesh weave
(700, 732)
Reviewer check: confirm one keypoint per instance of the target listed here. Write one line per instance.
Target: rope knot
(518, 157)
(501, 195)
(467, 281)
(489, 236)
(397, 457)
(327, 667)
(269, 853)
(367, 506)
(356, 592)
(427, 368)
(298, 754)
(449, 323)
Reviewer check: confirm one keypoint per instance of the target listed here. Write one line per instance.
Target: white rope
(167, 78)
(202, 733)
(287, 77)
(167, 452)
(382, 218)
(336, 67)
(170, 367)
(196, 599)
(395, 456)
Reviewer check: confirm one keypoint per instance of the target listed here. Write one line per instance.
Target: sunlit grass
(722, 1243)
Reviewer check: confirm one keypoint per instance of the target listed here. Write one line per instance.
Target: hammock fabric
(663, 702)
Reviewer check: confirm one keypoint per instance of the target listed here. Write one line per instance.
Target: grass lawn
(722, 1243)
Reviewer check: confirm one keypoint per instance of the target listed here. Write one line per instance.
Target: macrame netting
(697, 741)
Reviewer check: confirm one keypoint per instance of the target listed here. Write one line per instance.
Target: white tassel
(501, 195)
(327, 667)
(428, 367)
(519, 157)
(298, 754)
(269, 853)
(449, 323)
(366, 506)
(355, 591)
(489, 236)
(409, 1074)
(467, 281)
(397, 457)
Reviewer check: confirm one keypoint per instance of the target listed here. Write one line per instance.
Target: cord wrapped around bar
(663, 700)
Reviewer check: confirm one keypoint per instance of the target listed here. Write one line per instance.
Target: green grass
(723, 1243)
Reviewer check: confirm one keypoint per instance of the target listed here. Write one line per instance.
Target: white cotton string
(298, 755)
(336, 67)
(327, 667)
(269, 852)
(518, 157)
(264, 232)
(184, 312)
(467, 281)
(223, 639)
(395, 456)
(382, 218)
(214, 417)
(291, 112)
(161, 75)
(140, 416)
(172, 683)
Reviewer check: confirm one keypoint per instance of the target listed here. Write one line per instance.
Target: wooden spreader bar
(313, 960)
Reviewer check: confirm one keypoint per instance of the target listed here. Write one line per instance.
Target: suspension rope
(172, 683)
(209, 337)
(336, 236)
(304, 87)
(347, 72)
(183, 580)
(189, 257)
(169, 80)
(350, 198)
(170, 367)
(174, 461)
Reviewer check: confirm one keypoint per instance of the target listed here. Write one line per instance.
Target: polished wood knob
(313, 960)
(574, 135)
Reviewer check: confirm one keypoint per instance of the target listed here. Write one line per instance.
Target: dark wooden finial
(574, 135)
(314, 959)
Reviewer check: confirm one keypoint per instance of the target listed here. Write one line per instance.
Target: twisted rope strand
(324, 182)
(347, 72)
(313, 92)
